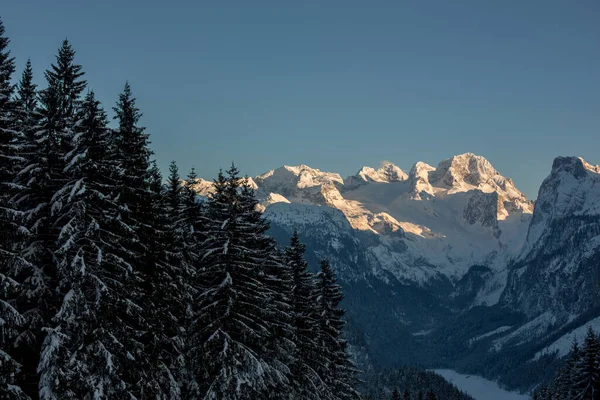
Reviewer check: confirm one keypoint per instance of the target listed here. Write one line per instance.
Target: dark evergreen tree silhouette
(232, 330)
(84, 358)
(11, 317)
(310, 362)
(39, 181)
(143, 223)
(587, 375)
(340, 374)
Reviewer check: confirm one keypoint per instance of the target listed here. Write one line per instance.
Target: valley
(450, 266)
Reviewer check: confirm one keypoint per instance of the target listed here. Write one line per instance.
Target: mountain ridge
(439, 245)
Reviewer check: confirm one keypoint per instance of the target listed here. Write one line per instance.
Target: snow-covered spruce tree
(179, 256)
(11, 320)
(309, 359)
(27, 117)
(164, 301)
(232, 332)
(9, 162)
(570, 369)
(84, 359)
(277, 278)
(167, 276)
(587, 376)
(193, 212)
(180, 244)
(26, 107)
(41, 177)
(340, 373)
(560, 386)
(142, 223)
(8, 138)
(193, 223)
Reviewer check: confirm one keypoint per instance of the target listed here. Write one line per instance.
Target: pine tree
(8, 137)
(27, 117)
(40, 179)
(395, 394)
(276, 277)
(60, 101)
(193, 231)
(340, 373)
(406, 395)
(164, 302)
(309, 360)
(149, 284)
(65, 76)
(85, 359)
(193, 211)
(11, 319)
(561, 384)
(232, 329)
(27, 102)
(587, 383)
(571, 369)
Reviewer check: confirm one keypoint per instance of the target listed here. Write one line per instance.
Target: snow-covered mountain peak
(300, 184)
(419, 180)
(466, 172)
(300, 176)
(391, 173)
(575, 166)
(387, 173)
(464, 169)
(572, 189)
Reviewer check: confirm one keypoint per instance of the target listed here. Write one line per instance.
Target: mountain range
(450, 266)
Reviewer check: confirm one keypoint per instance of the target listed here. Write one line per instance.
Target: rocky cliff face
(558, 271)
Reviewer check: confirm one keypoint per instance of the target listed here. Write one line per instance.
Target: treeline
(114, 285)
(579, 378)
(411, 383)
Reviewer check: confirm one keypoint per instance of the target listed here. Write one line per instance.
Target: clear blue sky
(338, 84)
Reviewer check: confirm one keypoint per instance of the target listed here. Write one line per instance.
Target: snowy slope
(432, 223)
(562, 345)
(478, 387)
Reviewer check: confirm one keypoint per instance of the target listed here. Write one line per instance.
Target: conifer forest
(117, 285)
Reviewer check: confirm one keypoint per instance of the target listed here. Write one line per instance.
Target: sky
(337, 84)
